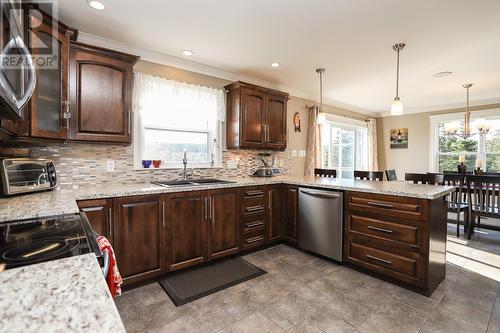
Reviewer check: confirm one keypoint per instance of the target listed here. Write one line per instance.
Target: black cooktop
(33, 241)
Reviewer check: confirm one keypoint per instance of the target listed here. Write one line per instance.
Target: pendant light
(397, 106)
(321, 114)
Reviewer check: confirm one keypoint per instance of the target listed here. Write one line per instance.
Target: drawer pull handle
(251, 193)
(254, 208)
(389, 231)
(254, 224)
(379, 259)
(380, 204)
(254, 239)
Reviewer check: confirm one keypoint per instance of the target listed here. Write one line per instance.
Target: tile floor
(302, 293)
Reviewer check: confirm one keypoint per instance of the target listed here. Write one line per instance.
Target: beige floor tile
(254, 323)
(328, 321)
(304, 327)
(303, 273)
(294, 307)
(248, 301)
(494, 323)
(322, 265)
(154, 317)
(140, 297)
(446, 320)
(340, 278)
(210, 321)
(209, 301)
(394, 317)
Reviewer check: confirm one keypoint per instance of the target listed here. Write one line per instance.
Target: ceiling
(352, 39)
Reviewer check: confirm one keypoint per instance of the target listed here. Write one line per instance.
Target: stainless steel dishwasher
(320, 222)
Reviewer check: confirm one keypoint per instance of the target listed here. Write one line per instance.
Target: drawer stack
(253, 217)
(391, 235)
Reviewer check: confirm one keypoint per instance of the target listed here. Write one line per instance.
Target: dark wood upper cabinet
(186, 216)
(256, 117)
(223, 231)
(49, 102)
(100, 215)
(139, 233)
(100, 94)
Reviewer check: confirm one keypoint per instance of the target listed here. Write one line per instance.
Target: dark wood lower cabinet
(290, 215)
(100, 215)
(275, 210)
(223, 219)
(186, 216)
(139, 236)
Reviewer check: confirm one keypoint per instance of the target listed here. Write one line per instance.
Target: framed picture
(399, 138)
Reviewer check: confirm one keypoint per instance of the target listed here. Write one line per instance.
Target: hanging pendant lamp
(321, 115)
(397, 106)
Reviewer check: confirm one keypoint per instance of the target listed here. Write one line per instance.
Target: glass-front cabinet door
(49, 105)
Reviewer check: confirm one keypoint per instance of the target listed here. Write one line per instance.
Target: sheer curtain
(314, 143)
(372, 145)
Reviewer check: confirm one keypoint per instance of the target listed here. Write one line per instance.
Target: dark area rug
(191, 284)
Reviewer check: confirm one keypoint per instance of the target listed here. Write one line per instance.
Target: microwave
(25, 175)
(17, 69)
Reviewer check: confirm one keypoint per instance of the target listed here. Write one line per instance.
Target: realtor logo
(30, 29)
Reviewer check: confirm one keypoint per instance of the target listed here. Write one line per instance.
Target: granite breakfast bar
(412, 253)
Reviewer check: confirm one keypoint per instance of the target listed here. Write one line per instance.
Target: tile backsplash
(85, 164)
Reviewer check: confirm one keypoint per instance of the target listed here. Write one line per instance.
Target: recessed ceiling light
(96, 4)
(275, 64)
(187, 52)
(441, 74)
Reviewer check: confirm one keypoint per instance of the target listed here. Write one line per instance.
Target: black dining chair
(390, 174)
(455, 201)
(423, 178)
(484, 199)
(331, 173)
(369, 175)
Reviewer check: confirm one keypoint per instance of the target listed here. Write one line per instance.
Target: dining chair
(455, 201)
(423, 178)
(369, 175)
(484, 199)
(390, 174)
(331, 173)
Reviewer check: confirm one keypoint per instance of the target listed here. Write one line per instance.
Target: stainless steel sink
(192, 182)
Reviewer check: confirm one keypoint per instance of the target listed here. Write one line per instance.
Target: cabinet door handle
(380, 204)
(252, 193)
(67, 113)
(379, 259)
(270, 201)
(206, 209)
(129, 121)
(109, 223)
(254, 239)
(254, 224)
(254, 208)
(211, 210)
(92, 209)
(389, 231)
(163, 214)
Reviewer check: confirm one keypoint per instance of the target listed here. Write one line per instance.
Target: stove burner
(34, 251)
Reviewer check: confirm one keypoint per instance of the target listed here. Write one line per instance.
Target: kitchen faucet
(184, 171)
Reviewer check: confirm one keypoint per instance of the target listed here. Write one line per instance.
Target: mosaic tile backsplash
(80, 164)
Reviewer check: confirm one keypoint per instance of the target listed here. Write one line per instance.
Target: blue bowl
(146, 163)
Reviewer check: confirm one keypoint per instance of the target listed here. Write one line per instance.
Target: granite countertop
(57, 202)
(66, 295)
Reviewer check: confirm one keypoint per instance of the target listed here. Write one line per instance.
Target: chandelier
(455, 128)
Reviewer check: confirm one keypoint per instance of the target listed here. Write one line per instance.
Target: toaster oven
(24, 175)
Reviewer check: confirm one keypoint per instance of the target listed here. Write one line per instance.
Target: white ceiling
(351, 38)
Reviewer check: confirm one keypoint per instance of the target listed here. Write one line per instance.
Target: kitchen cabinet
(275, 209)
(222, 215)
(100, 94)
(100, 215)
(400, 237)
(253, 217)
(49, 104)
(256, 117)
(291, 214)
(139, 236)
(186, 216)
